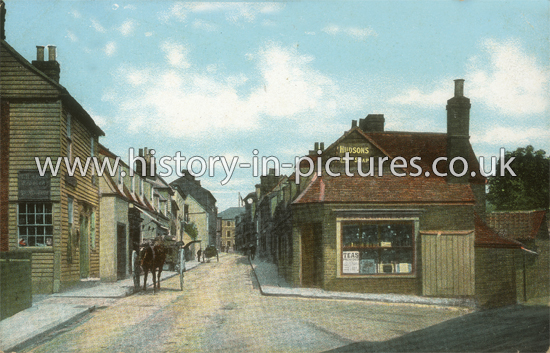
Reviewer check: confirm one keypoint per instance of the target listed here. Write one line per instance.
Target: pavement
(272, 284)
(53, 312)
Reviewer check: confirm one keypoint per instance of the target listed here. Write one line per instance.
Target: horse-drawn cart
(174, 260)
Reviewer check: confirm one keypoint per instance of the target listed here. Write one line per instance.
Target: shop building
(399, 228)
(55, 216)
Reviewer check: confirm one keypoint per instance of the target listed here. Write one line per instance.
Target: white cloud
(97, 26)
(127, 27)
(510, 80)
(189, 102)
(503, 78)
(110, 48)
(72, 37)
(176, 54)
(200, 24)
(515, 136)
(414, 96)
(355, 32)
(75, 13)
(148, 34)
(234, 11)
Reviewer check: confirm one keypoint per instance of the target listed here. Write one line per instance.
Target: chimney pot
(316, 146)
(51, 53)
(354, 123)
(39, 53)
(322, 146)
(459, 88)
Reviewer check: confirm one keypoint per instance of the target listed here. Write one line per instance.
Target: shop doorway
(312, 255)
(121, 251)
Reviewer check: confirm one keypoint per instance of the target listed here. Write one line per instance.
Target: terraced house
(54, 217)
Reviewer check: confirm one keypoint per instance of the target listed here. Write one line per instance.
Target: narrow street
(221, 309)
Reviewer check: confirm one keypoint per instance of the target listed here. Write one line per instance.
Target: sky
(226, 78)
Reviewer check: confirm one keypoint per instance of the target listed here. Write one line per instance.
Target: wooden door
(121, 251)
(84, 248)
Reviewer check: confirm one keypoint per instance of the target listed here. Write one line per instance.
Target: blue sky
(209, 79)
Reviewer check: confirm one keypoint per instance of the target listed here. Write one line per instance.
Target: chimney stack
(353, 123)
(372, 123)
(2, 20)
(458, 132)
(51, 67)
(322, 146)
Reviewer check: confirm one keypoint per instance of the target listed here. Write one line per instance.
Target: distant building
(206, 205)
(55, 217)
(227, 228)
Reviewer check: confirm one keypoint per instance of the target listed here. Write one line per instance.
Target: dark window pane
(48, 208)
(49, 230)
(31, 231)
(22, 230)
(22, 219)
(39, 208)
(39, 219)
(22, 208)
(351, 235)
(31, 241)
(48, 219)
(370, 235)
(31, 219)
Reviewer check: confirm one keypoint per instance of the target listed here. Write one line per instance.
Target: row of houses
(78, 226)
(390, 231)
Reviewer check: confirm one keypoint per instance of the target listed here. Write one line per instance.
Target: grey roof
(231, 213)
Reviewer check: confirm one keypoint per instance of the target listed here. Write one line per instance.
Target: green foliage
(191, 230)
(527, 190)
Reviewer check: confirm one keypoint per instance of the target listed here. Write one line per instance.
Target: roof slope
(486, 237)
(48, 88)
(231, 213)
(517, 224)
(385, 189)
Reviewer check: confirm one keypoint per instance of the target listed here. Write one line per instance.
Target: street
(221, 309)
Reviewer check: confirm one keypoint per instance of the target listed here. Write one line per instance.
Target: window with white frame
(35, 224)
(377, 247)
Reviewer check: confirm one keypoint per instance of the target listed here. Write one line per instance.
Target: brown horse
(152, 257)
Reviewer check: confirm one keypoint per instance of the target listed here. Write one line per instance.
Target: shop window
(377, 248)
(35, 224)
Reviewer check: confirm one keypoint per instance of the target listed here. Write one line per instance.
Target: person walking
(199, 255)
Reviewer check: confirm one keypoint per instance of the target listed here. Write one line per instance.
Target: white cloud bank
(504, 78)
(178, 100)
(234, 11)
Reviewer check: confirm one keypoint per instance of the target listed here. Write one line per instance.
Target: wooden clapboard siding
(448, 264)
(16, 80)
(34, 132)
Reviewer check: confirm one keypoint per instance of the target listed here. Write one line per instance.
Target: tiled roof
(486, 237)
(385, 189)
(517, 225)
(426, 145)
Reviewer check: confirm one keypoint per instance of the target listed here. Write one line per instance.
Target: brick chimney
(372, 123)
(458, 131)
(51, 67)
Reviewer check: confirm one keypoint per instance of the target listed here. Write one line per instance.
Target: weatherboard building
(404, 230)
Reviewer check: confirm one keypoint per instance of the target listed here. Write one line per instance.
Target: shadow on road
(512, 329)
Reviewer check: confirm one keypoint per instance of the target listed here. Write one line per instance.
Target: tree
(527, 190)
(191, 230)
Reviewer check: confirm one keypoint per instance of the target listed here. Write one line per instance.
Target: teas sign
(32, 186)
(350, 262)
